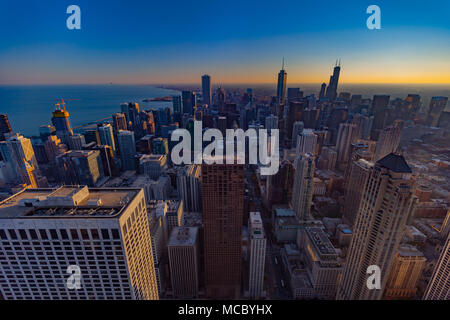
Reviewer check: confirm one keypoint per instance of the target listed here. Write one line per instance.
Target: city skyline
(225, 151)
(158, 47)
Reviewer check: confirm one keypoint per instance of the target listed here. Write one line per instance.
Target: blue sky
(234, 41)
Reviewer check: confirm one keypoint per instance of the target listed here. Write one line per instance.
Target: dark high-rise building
(176, 105)
(206, 89)
(379, 107)
(119, 122)
(334, 80)
(279, 185)
(92, 136)
(189, 101)
(223, 206)
(322, 90)
(61, 122)
(220, 98)
(294, 94)
(80, 167)
(5, 127)
(281, 87)
(131, 111)
(444, 120)
(437, 105)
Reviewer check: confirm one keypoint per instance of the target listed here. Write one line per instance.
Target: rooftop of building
(407, 250)
(67, 202)
(321, 241)
(183, 236)
(284, 212)
(395, 162)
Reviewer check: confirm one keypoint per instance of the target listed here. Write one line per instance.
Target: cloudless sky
(234, 41)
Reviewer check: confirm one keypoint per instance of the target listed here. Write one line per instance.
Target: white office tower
(347, 134)
(257, 243)
(387, 142)
(271, 122)
(297, 129)
(387, 202)
(20, 162)
(184, 262)
(127, 149)
(105, 132)
(306, 142)
(321, 262)
(303, 187)
(439, 286)
(189, 187)
(101, 236)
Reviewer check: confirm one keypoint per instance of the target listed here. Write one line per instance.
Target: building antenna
(282, 64)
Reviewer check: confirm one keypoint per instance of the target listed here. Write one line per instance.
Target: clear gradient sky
(235, 41)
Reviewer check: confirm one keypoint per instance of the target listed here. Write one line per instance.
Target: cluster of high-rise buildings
(108, 199)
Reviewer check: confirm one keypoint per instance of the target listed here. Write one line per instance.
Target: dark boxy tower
(223, 206)
(206, 89)
(5, 127)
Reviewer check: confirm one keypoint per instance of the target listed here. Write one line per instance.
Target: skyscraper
(271, 122)
(119, 122)
(437, 105)
(184, 262)
(223, 206)
(405, 273)
(303, 186)
(334, 80)
(21, 164)
(80, 167)
(206, 89)
(127, 149)
(388, 142)
(189, 101)
(347, 134)
(294, 94)
(281, 86)
(358, 174)
(176, 105)
(5, 127)
(439, 285)
(257, 244)
(189, 187)
(297, 129)
(76, 141)
(306, 142)
(61, 122)
(378, 111)
(105, 233)
(322, 90)
(105, 131)
(279, 185)
(386, 204)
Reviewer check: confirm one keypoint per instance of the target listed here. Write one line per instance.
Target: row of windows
(44, 234)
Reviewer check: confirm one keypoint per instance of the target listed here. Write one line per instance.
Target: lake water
(29, 107)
